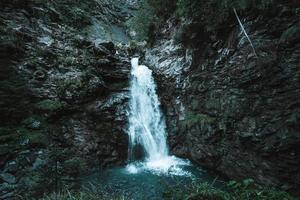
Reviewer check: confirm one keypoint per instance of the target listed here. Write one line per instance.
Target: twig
(244, 31)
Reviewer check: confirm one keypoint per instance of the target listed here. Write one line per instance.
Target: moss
(4, 131)
(74, 13)
(9, 140)
(74, 166)
(291, 33)
(72, 83)
(195, 104)
(144, 22)
(33, 122)
(35, 138)
(9, 136)
(49, 105)
(194, 119)
(32, 179)
(213, 103)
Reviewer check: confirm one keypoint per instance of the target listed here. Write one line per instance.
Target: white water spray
(147, 126)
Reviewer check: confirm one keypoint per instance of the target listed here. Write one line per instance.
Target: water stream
(147, 128)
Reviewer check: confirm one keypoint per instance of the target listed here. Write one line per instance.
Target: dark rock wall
(64, 92)
(227, 109)
(64, 78)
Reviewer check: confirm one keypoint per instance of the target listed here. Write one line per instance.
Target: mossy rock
(291, 33)
(5, 131)
(32, 122)
(195, 104)
(75, 165)
(34, 183)
(49, 105)
(34, 137)
(9, 136)
(198, 118)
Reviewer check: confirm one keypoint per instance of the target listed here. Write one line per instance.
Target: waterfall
(147, 127)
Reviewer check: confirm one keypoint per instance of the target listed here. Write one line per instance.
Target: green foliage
(213, 14)
(32, 180)
(149, 17)
(198, 119)
(80, 17)
(34, 137)
(210, 15)
(196, 8)
(143, 21)
(8, 136)
(244, 190)
(291, 33)
(74, 166)
(91, 192)
(79, 196)
(49, 105)
(32, 122)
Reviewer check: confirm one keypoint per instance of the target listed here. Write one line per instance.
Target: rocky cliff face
(227, 109)
(64, 75)
(64, 81)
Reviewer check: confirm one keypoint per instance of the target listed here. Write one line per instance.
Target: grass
(245, 190)
(79, 196)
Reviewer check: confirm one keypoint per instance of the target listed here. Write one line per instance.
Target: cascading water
(147, 126)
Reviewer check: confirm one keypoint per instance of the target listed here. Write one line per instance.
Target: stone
(8, 178)
(39, 75)
(11, 167)
(109, 46)
(38, 163)
(291, 33)
(8, 195)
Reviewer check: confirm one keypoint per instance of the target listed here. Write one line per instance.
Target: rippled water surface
(144, 183)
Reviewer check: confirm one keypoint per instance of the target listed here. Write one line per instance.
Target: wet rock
(11, 167)
(38, 163)
(8, 178)
(101, 51)
(291, 33)
(82, 42)
(39, 75)
(108, 45)
(7, 195)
